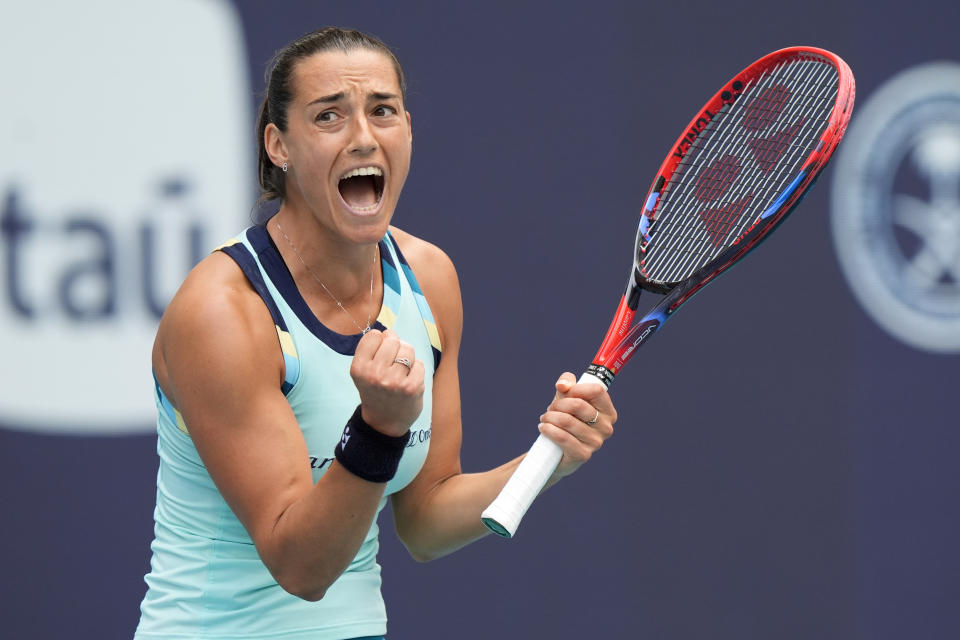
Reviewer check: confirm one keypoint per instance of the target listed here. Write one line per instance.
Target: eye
(327, 116)
(384, 110)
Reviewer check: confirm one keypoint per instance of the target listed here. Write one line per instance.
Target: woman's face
(347, 143)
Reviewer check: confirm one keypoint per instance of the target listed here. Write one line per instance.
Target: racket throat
(631, 296)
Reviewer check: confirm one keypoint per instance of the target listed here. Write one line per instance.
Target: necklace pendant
(363, 330)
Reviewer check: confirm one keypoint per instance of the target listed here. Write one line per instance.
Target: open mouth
(362, 188)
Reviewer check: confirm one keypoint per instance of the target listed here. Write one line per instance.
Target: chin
(366, 229)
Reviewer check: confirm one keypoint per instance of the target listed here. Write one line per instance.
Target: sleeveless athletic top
(206, 578)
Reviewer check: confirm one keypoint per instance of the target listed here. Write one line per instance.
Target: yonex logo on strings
(720, 186)
(721, 174)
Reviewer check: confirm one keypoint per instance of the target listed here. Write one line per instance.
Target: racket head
(742, 164)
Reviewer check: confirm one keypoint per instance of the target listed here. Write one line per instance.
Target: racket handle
(505, 512)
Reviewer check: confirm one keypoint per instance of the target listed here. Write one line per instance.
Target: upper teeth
(363, 171)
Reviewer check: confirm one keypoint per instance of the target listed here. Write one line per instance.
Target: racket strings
(739, 164)
(718, 220)
(684, 164)
(715, 223)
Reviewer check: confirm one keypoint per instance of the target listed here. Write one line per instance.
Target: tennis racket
(738, 169)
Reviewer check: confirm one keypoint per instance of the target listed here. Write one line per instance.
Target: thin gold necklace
(363, 330)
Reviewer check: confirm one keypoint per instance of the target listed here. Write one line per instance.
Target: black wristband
(367, 453)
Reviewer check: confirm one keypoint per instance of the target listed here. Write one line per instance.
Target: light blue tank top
(206, 578)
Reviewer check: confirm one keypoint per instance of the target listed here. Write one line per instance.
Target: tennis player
(307, 371)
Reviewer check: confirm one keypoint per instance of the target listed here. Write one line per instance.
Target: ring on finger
(595, 418)
(405, 362)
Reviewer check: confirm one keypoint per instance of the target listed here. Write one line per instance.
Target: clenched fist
(390, 381)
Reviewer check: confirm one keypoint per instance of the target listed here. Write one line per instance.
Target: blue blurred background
(785, 462)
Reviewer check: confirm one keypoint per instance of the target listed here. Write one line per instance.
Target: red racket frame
(623, 337)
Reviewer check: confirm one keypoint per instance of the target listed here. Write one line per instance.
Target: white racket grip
(504, 514)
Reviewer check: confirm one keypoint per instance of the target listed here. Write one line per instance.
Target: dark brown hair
(279, 91)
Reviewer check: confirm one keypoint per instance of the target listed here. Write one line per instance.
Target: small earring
(284, 167)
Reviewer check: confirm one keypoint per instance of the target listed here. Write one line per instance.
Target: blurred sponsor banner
(127, 157)
(896, 207)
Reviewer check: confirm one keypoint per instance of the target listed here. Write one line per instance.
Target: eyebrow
(337, 97)
(333, 97)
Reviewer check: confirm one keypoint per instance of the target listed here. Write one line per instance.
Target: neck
(333, 282)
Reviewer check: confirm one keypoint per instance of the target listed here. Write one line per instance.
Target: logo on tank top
(418, 436)
(896, 207)
(127, 157)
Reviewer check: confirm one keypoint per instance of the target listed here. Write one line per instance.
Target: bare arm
(439, 511)
(218, 359)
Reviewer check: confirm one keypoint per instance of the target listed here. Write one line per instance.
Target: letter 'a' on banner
(128, 156)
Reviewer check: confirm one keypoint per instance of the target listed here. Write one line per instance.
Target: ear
(409, 126)
(274, 145)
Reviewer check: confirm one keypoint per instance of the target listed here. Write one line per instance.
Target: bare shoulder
(438, 280)
(424, 256)
(214, 317)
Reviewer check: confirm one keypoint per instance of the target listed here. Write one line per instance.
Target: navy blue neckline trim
(249, 267)
(280, 275)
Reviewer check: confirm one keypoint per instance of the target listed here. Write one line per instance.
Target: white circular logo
(896, 207)
(126, 158)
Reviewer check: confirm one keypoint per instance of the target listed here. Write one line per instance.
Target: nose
(362, 140)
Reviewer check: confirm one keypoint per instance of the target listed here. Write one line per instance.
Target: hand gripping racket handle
(505, 512)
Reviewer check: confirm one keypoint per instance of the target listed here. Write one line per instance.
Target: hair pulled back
(279, 91)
